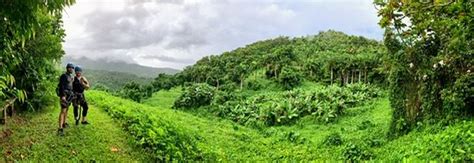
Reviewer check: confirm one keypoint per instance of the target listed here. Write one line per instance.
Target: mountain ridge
(118, 66)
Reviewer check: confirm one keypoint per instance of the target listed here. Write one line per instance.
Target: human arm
(85, 83)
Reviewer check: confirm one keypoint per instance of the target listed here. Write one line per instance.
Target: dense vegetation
(31, 35)
(277, 108)
(329, 57)
(329, 96)
(430, 58)
(106, 64)
(359, 135)
(113, 80)
(138, 92)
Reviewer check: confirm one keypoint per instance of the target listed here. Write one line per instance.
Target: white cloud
(176, 33)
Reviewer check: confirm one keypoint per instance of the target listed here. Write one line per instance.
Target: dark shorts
(64, 104)
(79, 100)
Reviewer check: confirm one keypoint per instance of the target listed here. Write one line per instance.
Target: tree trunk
(241, 82)
(347, 78)
(332, 75)
(359, 74)
(342, 78)
(365, 76)
(352, 76)
(5, 117)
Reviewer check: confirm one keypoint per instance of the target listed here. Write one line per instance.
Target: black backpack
(58, 86)
(57, 90)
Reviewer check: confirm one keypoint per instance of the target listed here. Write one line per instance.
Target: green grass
(224, 140)
(455, 142)
(34, 139)
(216, 139)
(164, 98)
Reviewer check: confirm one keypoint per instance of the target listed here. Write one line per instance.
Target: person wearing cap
(65, 95)
(79, 85)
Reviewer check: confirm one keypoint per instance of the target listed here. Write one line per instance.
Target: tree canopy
(430, 48)
(31, 35)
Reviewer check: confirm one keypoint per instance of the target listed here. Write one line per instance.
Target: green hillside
(113, 80)
(118, 66)
(165, 133)
(359, 134)
(324, 97)
(329, 57)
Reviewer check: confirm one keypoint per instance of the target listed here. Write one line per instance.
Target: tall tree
(31, 35)
(430, 47)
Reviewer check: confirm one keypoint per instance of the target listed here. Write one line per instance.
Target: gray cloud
(168, 59)
(175, 33)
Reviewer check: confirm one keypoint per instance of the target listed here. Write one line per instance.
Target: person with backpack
(65, 93)
(79, 85)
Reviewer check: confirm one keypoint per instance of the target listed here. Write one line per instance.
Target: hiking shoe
(65, 125)
(60, 132)
(77, 121)
(85, 123)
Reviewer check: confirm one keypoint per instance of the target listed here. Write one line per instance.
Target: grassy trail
(34, 138)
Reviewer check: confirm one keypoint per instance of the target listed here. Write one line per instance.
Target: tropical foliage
(329, 57)
(430, 46)
(195, 96)
(359, 135)
(112, 80)
(325, 104)
(31, 35)
(268, 109)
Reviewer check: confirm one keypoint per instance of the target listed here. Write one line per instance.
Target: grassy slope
(274, 141)
(220, 139)
(112, 79)
(34, 138)
(234, 141)
(163, 99)
(225, 140)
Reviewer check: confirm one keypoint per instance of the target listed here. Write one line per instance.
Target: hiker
(79, 85)
(65, 94)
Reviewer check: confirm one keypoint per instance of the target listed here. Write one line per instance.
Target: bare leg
(62, 117)
(65, 116)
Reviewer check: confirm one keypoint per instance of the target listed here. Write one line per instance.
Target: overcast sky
(176, 33)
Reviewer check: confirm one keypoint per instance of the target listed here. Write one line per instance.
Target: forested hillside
(328, 57)
(30, 49)
(118, 66)
(112, 80)
(323, 97)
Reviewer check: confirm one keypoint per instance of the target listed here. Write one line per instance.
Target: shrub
(133, 91)
(256, 83)
(101, 87)
(325, 104)
(375, 142)
(228, 87)
(290, 78)
(195, 96)
(166, 140)
(333, 139)
(365, 124)
(294, 137)
(356, 152)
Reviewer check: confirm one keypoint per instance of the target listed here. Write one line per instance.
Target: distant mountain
(118, 66)
(113, 80)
